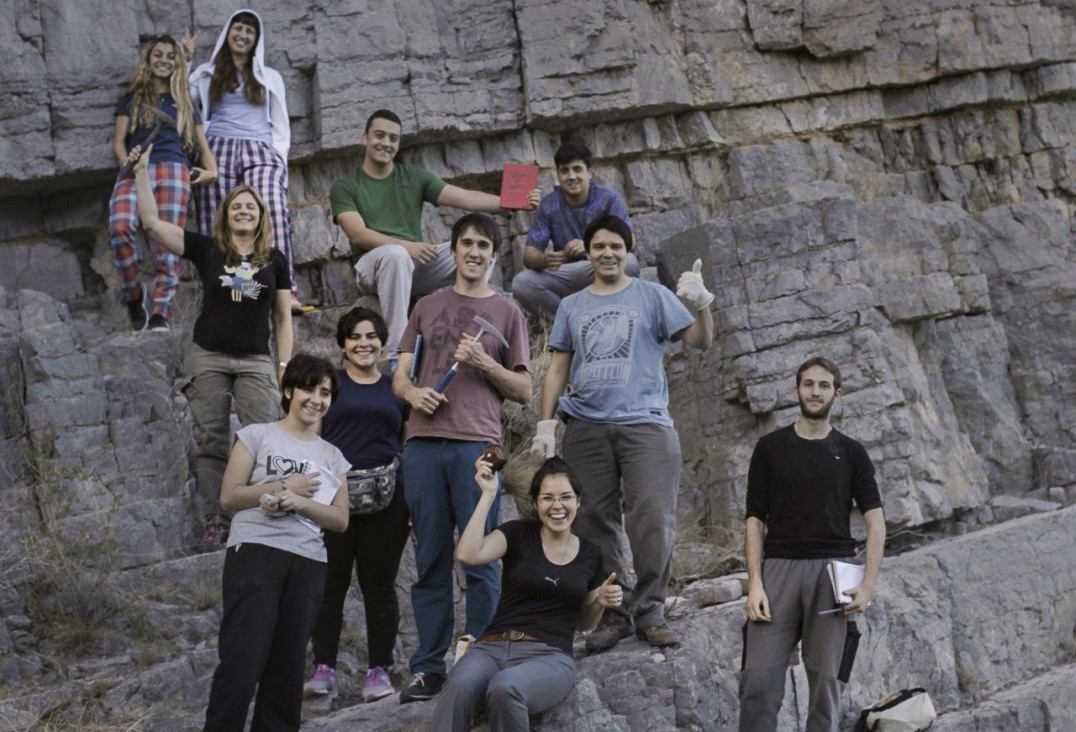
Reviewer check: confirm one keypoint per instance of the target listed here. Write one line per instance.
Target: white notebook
(843, 577)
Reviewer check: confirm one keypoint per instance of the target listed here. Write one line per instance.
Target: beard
(820, 414)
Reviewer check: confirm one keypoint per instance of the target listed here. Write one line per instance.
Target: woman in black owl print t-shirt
(551, 585)
(245, 285)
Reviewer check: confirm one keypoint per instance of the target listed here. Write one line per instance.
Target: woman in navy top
(366, 423)
(158, 84)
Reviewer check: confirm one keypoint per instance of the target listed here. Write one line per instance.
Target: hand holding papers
(843, 576)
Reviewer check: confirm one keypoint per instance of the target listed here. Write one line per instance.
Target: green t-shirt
(391, 206)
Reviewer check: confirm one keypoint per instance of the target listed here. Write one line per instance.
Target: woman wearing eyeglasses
(551, 585)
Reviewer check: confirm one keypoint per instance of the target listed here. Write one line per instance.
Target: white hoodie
(276, 109)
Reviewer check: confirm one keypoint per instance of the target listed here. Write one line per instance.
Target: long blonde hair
(263, 236)
(144, 93)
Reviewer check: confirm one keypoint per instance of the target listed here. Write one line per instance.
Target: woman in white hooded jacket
(246, 123)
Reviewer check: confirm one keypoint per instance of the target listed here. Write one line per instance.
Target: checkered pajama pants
(171, 188)
(258, 165)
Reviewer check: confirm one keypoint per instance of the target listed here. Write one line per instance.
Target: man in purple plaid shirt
(556, 263)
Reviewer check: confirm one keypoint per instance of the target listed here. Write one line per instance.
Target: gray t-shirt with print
(277, 455)
(617, 342)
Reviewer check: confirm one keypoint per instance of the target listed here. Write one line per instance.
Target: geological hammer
(484, 327)
(162, 120)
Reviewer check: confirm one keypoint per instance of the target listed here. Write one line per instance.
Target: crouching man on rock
(800, 487)
(610, 339)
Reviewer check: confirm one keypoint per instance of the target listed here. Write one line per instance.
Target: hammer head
(484, 326)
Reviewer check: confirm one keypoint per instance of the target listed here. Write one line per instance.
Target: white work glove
(544, 444)
(691, 288)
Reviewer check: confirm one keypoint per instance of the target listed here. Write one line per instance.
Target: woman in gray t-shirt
(285, 484)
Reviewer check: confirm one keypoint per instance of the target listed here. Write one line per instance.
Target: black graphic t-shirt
(237, 302)
(538, 597)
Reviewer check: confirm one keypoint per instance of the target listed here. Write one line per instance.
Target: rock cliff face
(887, 183)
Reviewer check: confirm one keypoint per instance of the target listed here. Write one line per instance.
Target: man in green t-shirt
(379, 207)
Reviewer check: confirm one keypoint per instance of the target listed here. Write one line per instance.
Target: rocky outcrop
(888, 183)
(941, 619)
(911, 302)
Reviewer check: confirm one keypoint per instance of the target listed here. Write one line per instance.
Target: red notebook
(519, 179)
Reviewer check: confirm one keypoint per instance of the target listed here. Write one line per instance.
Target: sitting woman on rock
(247, 125)
(158, 87)
(244, 284)
(366, 422)
(285, 484)
(551, 585)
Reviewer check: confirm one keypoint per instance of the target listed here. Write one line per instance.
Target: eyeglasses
(565, 499)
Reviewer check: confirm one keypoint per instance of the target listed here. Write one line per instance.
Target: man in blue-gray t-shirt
(610, 340)
(556, 264)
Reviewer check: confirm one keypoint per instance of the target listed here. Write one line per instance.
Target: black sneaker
(217, 528)
(423, 686)
(158, 323)
(136, 311)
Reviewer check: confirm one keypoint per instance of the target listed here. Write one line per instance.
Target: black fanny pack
(371, 489)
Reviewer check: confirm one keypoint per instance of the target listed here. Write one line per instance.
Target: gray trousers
(630, 474)
(213, 381)
(798, 589)
(514, 679)
(540, 291)
(391, 274)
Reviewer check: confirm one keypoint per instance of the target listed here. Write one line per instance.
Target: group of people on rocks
(360, 455)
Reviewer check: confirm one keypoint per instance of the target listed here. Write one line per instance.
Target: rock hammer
(484, 327)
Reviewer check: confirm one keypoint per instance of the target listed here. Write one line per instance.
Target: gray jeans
(214, 380)
(514, 679)
(540, 291)
(630, 475)
(798, 589)
(390, 273)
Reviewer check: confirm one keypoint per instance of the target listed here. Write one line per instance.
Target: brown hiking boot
(659, 636)
(607, 635)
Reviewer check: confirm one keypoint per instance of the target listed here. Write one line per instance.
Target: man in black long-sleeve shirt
(801, 485)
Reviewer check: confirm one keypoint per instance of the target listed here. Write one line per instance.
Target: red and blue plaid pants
(172, 188)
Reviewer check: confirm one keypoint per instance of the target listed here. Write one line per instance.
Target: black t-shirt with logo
(803, 491)
(237, 302)
(540, 598)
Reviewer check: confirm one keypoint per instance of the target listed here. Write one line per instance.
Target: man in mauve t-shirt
(801, 485)
(447, 432)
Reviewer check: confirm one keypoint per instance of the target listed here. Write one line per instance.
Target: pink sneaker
(322, 683)
(377, 685)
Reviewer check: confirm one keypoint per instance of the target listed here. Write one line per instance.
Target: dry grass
(75, 602)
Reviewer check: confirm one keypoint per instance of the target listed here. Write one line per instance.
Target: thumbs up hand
(691, 288)
(609, 594)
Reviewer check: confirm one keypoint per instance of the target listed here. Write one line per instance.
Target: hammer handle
(440, 388)
(130, 164)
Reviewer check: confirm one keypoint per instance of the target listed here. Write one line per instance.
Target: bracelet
(283, 485)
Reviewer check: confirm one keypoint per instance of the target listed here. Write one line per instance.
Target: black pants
(373, 544)
(270, 599)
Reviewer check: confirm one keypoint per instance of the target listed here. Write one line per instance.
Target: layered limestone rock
(886, 183)
(942, 619)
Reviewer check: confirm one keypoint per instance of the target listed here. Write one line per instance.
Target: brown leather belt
(508, 635)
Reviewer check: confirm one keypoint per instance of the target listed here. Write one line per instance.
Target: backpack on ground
(909, 710)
